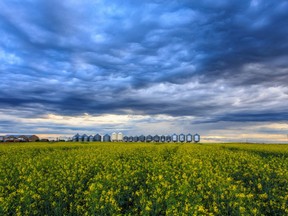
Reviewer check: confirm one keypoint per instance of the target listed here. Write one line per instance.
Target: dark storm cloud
(249, 117)
(215, 60)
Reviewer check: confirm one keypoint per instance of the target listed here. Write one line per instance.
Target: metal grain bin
(182, 138)
(156, 138)
(85, 138)
(120, 137)
(135, 139)
(174, 138)
(196, 138)
(97, 138)
(125, 138)
(80, 138)
(149, 138)
(189, 138)
(114, 137)
(168, 138)
(142, 138)
(75, 138)
(162, 138)
(107, 138)
(90, 138)
(130, 139)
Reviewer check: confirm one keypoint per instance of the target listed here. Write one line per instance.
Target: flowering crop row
(143, 179)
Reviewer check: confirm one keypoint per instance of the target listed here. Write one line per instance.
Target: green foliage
(143, 179)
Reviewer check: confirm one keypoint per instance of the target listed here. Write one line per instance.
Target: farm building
(85, 138)
(75, 138)
(10, 138)
(168, 138)
(107, 138)
(97, 138)
(135, 139)
(174, 138)
(114, 137)
(142, 138)
(156, 138)
(20, 138)
(91, 138)
(162, 138)
(182, 138)
(196, 138)
(120, 137)
(79, 138)
(125, 138)
(189, 138)
(130, 138)
(149, 138)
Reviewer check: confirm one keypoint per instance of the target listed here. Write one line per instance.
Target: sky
(214, 67)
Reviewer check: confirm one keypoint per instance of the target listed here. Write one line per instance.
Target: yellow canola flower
(241, 195)
(233, 187)
(216, 210)
(36, 196)
(250, 196)
(229, 179)
(242, 209)
(21, 191)
(101, 178)
(263, 196)
(254, 211)
(91, 187)
(201, 208)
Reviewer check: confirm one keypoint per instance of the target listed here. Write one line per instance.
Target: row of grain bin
(86, 138)
(118, 137)
(97, 138)
(168, 138)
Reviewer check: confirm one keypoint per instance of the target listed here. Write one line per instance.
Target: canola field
(143, 179)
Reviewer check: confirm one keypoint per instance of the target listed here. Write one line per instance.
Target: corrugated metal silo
(149, 138)
(120, 137)
(75, 137)
(174, 138)
(80, 138)
(162, 138)
(156, 138)
(85, 138)
(168, 138)
(97, 138)
(142, 138)
(135, 139)
(90, 138)
(125, 138)
(182, 138)
(130, 139)
(189, 138)
(196, 138)
(114, 137)
(106, 138)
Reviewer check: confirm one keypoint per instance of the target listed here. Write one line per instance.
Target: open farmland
(143, 179)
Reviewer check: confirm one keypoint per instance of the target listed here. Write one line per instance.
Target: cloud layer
(208, 61)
